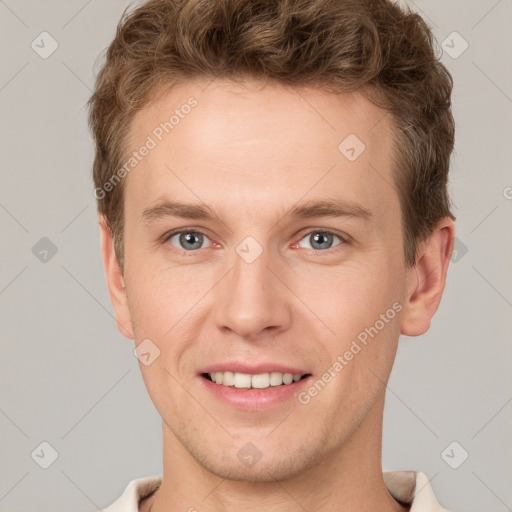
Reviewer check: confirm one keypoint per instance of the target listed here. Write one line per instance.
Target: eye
(187, 240)
(193, 240)
(321, 240)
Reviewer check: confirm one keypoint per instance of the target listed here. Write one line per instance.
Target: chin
(263, 471)
(249, 464)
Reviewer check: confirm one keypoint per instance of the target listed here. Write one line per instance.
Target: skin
(251, 152)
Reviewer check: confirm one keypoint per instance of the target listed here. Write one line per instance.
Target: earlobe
(115, 281)
(428, 279)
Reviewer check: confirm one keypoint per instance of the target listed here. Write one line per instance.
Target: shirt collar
(411, 488)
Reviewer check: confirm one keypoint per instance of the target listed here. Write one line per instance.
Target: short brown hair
(337, 45)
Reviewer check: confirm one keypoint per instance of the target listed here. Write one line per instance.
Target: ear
(426, 280)
(115, 281)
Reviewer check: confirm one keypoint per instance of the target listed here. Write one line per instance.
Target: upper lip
(252, 368)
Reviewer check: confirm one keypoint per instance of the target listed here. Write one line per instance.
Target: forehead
(261, 142)
(227, 114)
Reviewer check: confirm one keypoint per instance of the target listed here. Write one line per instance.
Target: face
(263, 244)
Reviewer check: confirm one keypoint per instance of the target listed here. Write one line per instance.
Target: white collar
(409, 487)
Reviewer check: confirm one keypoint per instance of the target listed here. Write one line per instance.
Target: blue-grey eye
(188, 240)
(321, 240)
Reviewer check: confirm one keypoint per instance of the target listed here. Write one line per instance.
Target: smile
(253, 381)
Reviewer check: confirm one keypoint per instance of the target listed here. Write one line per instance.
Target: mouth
(254, 386)
(247, 381)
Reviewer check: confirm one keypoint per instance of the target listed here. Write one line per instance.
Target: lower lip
(254, 399)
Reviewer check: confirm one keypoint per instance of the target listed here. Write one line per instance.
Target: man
(271, 183)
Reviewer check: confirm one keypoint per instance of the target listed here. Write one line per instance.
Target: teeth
(259, 381)
(276, 379)
(287, 378)
(228, 379)
(242, 380)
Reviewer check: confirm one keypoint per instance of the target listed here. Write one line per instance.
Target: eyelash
(343, 239)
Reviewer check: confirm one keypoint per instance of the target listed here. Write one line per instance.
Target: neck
(350, 479)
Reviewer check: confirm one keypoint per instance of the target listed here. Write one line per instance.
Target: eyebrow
(322, 208)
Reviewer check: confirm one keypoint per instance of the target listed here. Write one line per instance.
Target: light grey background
(70, 379)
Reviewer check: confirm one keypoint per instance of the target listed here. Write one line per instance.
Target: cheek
(361, 305)
(349, 297)
(161, 296)
(148, 309)
(166, 308)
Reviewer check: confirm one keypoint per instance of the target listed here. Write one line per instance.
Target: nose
(252, 301)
